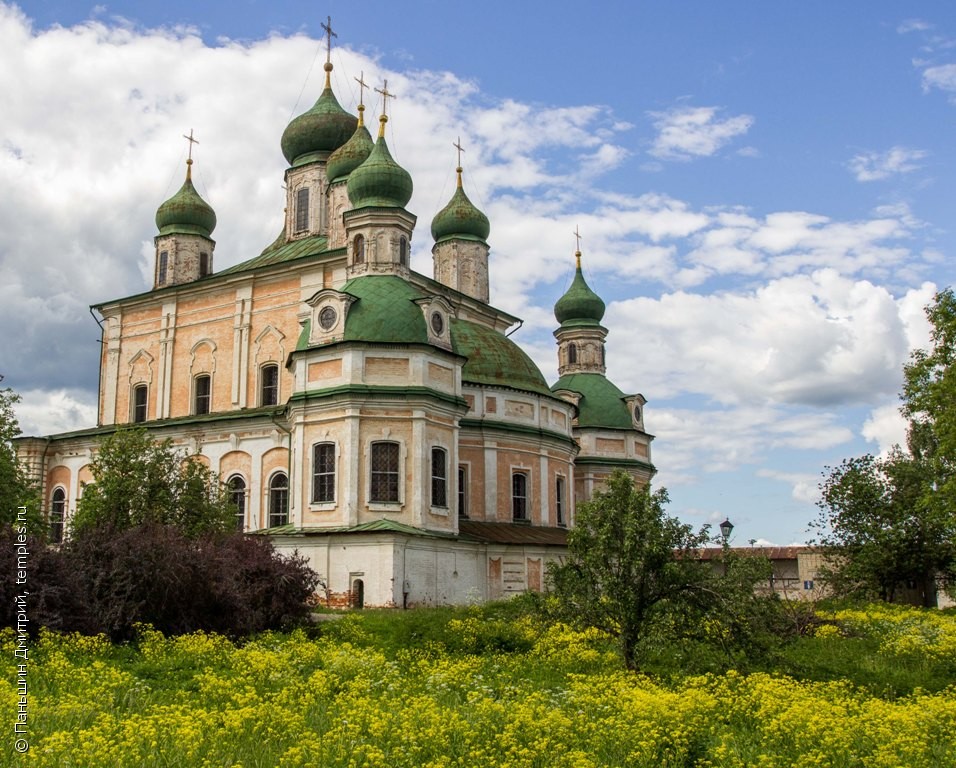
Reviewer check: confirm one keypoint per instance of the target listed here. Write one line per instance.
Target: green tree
(637, 574)
(882, 528)
(16, 488)
(889, 523)
(140, 481)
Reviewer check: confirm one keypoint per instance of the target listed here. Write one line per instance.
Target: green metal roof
(186, 212)
(601, 405)
(380, 182)
(320, 130)
(579, 303)
(385, 311)
(460, 218)
(374, 526)
(280, 251)
(350, 155)
(494, 359)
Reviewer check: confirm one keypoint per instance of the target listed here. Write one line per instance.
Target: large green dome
(350, 155)
(380, 182)
(579, 304)
(186, 213)
(321, 130)
(460, 218)
(494, 359)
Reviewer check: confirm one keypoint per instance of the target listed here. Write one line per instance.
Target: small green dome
(460, 218)
(380, 182)
(322, 129)
(385, 312)
(602, 403)
(186, 212)
(579, 302)
(350, 155)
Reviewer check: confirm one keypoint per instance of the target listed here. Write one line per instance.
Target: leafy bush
(108, 581)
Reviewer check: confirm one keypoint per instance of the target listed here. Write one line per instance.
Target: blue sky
(765, 193)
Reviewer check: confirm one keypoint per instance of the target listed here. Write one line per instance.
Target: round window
(637, 413)
(327, 318)
(438, 323)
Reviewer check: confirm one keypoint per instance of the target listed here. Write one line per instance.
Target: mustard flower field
(558, 698)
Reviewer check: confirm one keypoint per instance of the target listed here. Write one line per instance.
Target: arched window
(384, 484)
(519, 496)
(439, 477)
(278, 499)
(269, 384)
(323, 472)
(559, 500)
(358, 249)
(572, 354)
(237, 495)
(140, 395)
(403, 251)
(57, 515)
(202, 394)
(302, 210)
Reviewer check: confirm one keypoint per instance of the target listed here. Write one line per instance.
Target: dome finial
(386, 95)
(457, 145)
(577, 248)
(189, 159)
(329, 34)
(361, 105)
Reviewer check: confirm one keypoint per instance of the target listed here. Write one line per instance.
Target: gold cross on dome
(457, 145)
(577, 237)
(329, 34)
(362, 86)
(386, 95)
(191, 141)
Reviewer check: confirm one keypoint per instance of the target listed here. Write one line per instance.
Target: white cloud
(942, 77)
(886, 427)
(913, 25)
(804, 488)
(44, 412)
(873, 166)
(688, 132)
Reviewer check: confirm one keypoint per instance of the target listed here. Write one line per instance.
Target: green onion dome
(321, 130)
(186, 212)
(460, 218)
(352, 153)
(380, 182)
(579, 304)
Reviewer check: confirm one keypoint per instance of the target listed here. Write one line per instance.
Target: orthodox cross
(457, 145)
(329, 34)
(362, 86)
(191, 141)
(386, 95)
(577, 237)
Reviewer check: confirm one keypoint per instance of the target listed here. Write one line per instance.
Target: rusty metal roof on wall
(513, 533)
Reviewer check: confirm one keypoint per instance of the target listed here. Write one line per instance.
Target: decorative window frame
(326, 505)
(635, 404)
(194, 394)
(439, 306)
(268, 494)
(233, 492)
(338, 301)
(134, 406)
(59, 488)
(262, 382)
(439, 509)
(525, 472)
(385, 506)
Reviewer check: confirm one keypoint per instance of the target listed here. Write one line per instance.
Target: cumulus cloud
(886, 427)
(687, 132)
(942, 77)
(913, 25)
(873, 166)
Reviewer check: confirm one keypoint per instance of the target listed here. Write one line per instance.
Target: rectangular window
(462, 491)
(302, 209)
(323, 472)
(163, 265)
(559, 500)
(269, 386)
(203, 264)
(384, 485)
(439, 477)
(202, 394)
(519, 496)
(140, 393)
